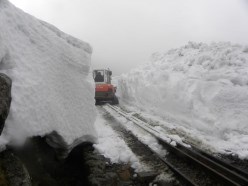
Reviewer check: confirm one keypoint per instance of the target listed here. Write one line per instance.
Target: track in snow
(195, 167)
(146, 155)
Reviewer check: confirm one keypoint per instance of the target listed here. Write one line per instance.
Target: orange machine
(104, 91)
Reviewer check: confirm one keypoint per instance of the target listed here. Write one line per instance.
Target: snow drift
(52, 91)
(202, 87)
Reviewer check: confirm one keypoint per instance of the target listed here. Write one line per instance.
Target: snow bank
(199, 87)
(52, 90)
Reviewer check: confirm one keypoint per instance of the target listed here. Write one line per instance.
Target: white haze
(124, 33)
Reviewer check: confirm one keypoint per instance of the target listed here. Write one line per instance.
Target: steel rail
(229, 174)
(227, 165)
(186, 181)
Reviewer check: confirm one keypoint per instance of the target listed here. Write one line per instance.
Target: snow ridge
(203, 88)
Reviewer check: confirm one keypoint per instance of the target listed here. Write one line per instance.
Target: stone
(146, 177)
(5, 99)
(124, 173)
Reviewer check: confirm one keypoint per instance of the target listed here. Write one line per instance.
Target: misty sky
(124, 33)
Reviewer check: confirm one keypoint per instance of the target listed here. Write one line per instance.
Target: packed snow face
(52, 90)
(201, 88)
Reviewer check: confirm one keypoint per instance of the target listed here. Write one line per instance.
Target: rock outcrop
(5, 98)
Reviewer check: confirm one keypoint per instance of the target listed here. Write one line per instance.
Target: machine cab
(102, 76)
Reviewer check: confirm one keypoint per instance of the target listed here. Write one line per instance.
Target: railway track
(218, 170)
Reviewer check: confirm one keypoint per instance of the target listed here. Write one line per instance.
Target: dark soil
(37, 164)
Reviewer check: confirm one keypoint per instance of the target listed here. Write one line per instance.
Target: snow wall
(52, 90)
(203, 86)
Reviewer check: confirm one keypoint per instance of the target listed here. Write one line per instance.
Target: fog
(124, 33)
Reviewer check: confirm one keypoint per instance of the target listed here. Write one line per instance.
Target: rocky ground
(37, 164)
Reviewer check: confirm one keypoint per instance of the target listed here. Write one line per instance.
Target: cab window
(98, 76)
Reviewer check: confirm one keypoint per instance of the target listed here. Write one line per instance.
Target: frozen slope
(201, 88)
(52, 90)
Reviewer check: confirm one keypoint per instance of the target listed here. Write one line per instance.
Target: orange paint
(104, 88)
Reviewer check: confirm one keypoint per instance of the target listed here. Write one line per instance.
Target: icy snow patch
(201, 88)
(52, 89)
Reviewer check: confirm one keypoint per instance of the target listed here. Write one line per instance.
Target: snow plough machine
(104, 90)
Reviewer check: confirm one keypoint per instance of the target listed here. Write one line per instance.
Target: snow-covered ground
(199, 89)
(52, 90)
(142, 135)
(112, 146)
